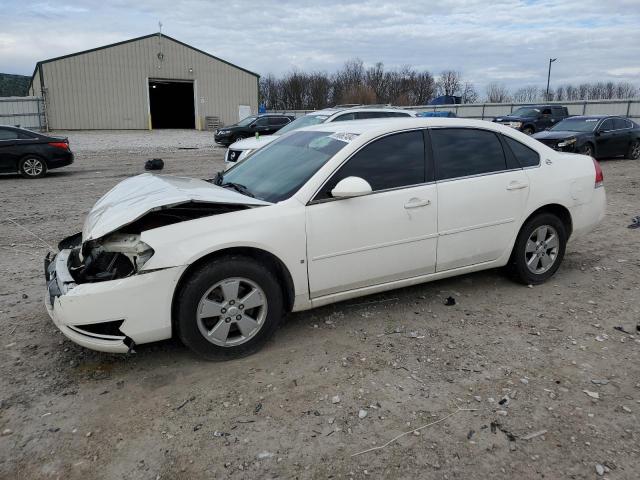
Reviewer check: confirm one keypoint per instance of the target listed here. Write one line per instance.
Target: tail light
(599, 174)
(62, 145)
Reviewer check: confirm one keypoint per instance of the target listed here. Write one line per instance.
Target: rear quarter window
(526, 157)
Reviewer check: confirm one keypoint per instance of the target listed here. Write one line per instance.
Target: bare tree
(529, 93)
(449, 82)
(424, 89)
(497, 93)
(626, 90)
(361, 94)
(469, 93)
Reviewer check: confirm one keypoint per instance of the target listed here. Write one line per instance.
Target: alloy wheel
(232, 312)
(635, 151)
(542, 249)
(32, 167)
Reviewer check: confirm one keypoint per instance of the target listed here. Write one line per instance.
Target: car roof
(595, 116)
(376, 125)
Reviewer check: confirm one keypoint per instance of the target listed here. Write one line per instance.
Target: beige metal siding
(108, 88)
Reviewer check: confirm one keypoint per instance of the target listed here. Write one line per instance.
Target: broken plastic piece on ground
(449, 301)
(154, 164)
(635, 222)
(621, 329)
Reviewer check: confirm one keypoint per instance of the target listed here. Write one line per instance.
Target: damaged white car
(320, 215)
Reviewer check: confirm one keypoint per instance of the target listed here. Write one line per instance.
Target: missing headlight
(118, 255)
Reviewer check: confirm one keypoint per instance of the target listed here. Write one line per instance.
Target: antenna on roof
(160, 54)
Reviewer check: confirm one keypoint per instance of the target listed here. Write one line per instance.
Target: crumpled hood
(557, 135)
(136, 196)
(253, 143)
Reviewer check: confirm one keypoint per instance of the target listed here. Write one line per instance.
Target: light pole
(551, 60)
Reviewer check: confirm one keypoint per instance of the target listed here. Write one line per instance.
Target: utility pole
(551, 60)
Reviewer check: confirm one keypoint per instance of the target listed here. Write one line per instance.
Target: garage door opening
(171, 104)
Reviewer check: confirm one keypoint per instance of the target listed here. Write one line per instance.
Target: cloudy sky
(509, 41)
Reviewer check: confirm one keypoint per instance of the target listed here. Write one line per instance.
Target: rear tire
(634, 151)
(539, 249)
(32, 167)
(228, 308)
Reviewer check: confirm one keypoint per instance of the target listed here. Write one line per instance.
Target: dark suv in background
(534, 118)
(247, 127)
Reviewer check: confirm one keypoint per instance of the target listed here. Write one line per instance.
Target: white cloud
(507, 41)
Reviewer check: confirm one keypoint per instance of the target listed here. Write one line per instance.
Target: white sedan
(242, 148)
(323, 214)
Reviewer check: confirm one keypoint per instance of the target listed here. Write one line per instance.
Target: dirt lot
(522, 358)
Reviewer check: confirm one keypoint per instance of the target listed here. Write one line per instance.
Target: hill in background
(14, 85)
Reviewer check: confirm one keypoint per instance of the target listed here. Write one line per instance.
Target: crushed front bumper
(140, 306)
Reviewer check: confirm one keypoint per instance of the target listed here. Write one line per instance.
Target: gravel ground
(512, 381)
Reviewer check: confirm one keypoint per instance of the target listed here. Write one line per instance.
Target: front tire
(228, 308)
(32, 167)
(528, 130)
(634, 150)
(539, 249)
(587, 149)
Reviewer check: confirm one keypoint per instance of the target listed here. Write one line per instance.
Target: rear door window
(463, 152)
(527, 157)
(6, 134)
(391, 162)
(278, 121)
(619, 124)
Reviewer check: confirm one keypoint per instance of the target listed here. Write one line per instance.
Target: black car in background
(599, 136)
(30, 153)
(533, 118)
(263, 124)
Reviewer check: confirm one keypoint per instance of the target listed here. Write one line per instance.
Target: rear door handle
(516, 186)
(416, 202)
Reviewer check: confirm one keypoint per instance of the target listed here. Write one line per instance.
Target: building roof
(42, 62)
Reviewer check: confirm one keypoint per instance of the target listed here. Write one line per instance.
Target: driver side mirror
(351, 187)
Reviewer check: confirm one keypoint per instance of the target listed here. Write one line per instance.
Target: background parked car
(32, 154)
(598, 136)
(241, 149)
(263, 124)
(533, 118)
(440, 113)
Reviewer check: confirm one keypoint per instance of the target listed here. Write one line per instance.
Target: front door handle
(516, 186)
(416, 202)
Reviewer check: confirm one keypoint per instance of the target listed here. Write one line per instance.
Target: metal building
(148, 82)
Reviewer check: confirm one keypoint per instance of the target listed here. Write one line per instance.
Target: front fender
(277, 229)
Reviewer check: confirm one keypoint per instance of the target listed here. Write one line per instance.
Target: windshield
(300, 122)
(246, 121)
(525, 112)
(576, 125)
(278, 170)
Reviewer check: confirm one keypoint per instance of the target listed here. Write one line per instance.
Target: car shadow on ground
(17, 176)
(88, 364)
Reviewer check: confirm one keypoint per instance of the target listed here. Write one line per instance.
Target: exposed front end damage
(98, 291)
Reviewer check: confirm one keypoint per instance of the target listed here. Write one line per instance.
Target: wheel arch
(267, 258)
(559, 211)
